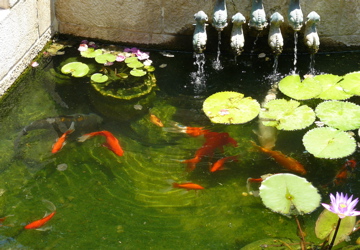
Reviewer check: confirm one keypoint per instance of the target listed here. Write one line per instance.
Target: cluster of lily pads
(115, 69)
(340, 117)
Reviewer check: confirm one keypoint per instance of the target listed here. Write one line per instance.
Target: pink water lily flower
(142, 55)
(342, 205)
(120, 58)
(132, 50)
(83, 47)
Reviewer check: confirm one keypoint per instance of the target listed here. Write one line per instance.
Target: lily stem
(335, 233)
(301, 234)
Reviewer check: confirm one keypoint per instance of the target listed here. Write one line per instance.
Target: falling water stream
(295, 51)
(217, 63)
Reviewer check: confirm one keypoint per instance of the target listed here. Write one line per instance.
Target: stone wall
(25, 27)
(169, 23)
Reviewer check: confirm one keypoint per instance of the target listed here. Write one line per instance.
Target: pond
(107, 201)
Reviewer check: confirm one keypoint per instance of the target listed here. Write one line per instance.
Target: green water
(105, 201)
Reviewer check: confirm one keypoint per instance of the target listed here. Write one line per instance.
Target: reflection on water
(106, 201)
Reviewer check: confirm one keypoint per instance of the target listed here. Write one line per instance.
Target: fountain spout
(275, 38)
(237, 36)
(220, 15)
(295, 15)
(200, 36)
(311, 37)
(258, 16)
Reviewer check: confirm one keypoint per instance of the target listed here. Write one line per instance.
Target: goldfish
(39, 223)
(250, 180)
(111, 142)
(219, 164)
(154, 119)
(191, 131)
(213, 141)
(187, 186)
(61, 141)
(344, 172)
(286, 161)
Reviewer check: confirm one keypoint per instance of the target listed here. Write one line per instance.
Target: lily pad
(294, 88)
(350, 83)
(326, 224)
(100, 78)
(104, 58)
(329, 143)
(230, 107)
(287, 115)
(289, 194)
(138, 72)
(331, 88)
(76, 69)
(91, 53)
(340, 115)
(133, 62)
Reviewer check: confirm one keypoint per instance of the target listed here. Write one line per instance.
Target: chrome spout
(295, 15)
(200, 36)
(220, 15)
(237, 35)
(311, 37)
(275, 38)
(258, 16)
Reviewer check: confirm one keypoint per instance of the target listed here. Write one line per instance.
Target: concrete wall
(25, 27)
(168, 23)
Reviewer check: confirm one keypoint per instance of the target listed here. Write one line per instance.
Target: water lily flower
(34, 64)
(147, 62)
(120, 58)
(83, 47)
(132, 50)
(142, 55)
(108, 63)
(92, 45)
(342, 205)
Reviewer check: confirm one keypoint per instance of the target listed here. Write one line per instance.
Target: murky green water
(109, 202)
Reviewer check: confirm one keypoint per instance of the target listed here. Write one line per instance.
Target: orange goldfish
(60, 143)
(111, 142)
(154, 119)
(191, 131)
(286, 161)
(219, 165)
(213, 141)
(187, 186)
(344, 172)
(39, 223)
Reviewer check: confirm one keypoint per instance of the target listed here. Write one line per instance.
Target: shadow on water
(108, 202)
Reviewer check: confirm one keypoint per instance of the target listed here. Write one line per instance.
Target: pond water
(105, 201)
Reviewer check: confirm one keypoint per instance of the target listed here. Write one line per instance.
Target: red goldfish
(213, 140)
(111, 142)
(219, 165)
(286, 161)
(61, 141)
(39, 223)
(154, 119)
(187, 186)
(344, 172)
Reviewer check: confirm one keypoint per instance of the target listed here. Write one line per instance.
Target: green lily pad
(340, 115)
(133, 62)
(230, 107)
(138, 72)
(100, 78)
(91, 53)
(287, 115)
(76, 69)
(289, 194)
(329, 143)
(104, 58)
(350, 83)
(149, 68)
(294, 88)
(326, 224)
(331, 88)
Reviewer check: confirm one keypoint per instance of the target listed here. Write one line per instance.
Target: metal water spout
(258, 16)
(275, 38)
(311, 37)
(200, 36)
(237, 35)
(220, 15)
(295, 15)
